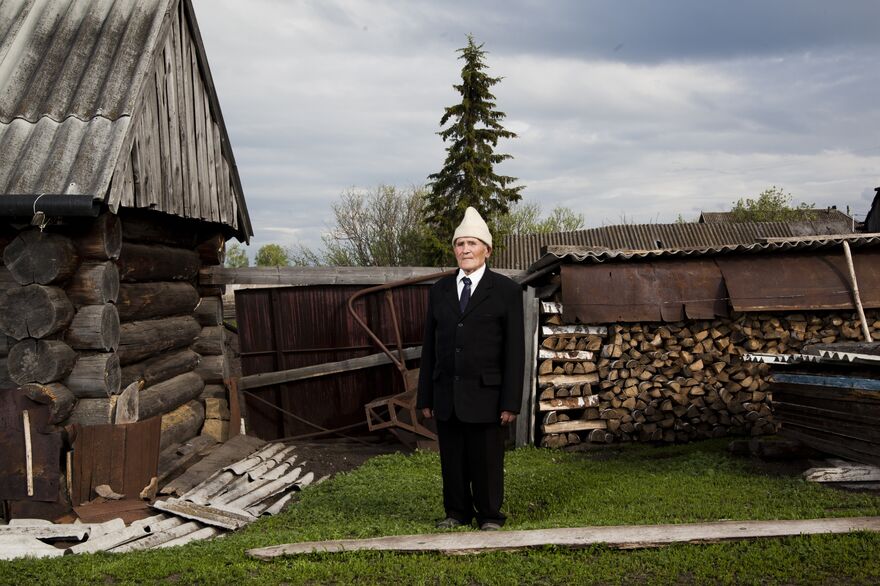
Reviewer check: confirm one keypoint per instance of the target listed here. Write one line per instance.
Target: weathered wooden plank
(172, 88)
(200, 138)
(525, 427)
(208, 146)
(819, 380)
(180, 49)
(285, 376)
(188, 130)
(564, 403)
(849, 473)
(574, 330)
(222, 181)
(618, 537)
(568, 379)
(153, 141)
(166, 185)
(574, 425)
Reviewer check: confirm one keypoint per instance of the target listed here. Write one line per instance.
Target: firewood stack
(99, 307)
(668, 382)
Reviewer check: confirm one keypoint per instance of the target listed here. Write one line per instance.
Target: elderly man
(471, 376)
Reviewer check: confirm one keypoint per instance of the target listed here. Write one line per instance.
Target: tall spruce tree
(468, 177)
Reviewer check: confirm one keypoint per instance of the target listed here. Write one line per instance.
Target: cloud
(643, 108)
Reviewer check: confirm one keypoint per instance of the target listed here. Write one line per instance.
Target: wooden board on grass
(618, 537)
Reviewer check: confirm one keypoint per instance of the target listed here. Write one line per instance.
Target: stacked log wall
(88, 309)
(671, 382)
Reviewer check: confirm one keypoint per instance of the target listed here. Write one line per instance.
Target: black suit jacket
(472, 362)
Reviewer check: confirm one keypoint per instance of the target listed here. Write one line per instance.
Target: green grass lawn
(634, 485)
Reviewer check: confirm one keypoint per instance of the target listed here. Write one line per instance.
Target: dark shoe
(489, 526)
(448, 523)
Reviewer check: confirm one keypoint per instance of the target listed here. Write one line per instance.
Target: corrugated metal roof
(521, 251)
(556, 254)
(70, 73)
(830, 215)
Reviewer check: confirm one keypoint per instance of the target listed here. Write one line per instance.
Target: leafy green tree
(525, 218)
(468, 176)
(771, 205)
(272, 255)
(236, 256)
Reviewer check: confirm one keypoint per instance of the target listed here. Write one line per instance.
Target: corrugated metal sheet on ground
(261, 483)
(521, 251)
(292, 327)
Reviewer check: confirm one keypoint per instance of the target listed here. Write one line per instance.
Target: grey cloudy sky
(627, 110)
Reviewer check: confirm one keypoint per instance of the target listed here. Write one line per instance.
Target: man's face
(471, 253)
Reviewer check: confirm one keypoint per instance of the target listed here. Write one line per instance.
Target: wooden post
(855, 290)
(525, 423)
(34, 311)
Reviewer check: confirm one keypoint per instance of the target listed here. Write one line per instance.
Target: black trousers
(472, 465)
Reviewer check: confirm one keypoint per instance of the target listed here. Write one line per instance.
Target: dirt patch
(331, 456)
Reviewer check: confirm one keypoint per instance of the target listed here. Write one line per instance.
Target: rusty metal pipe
(432, 277)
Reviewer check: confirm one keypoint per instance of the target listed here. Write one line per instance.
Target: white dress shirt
(474, 277)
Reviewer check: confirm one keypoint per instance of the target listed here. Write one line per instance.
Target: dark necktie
(465, 294)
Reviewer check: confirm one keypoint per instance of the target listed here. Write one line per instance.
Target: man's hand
(507, 417)
(427, 412)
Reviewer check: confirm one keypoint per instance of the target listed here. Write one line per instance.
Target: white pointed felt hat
(473, 226)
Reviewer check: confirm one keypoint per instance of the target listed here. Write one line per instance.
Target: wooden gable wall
(176, 163)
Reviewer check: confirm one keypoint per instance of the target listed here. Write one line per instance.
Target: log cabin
(118, 184)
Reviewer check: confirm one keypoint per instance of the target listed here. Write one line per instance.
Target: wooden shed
(648, 345)
(117, 185)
